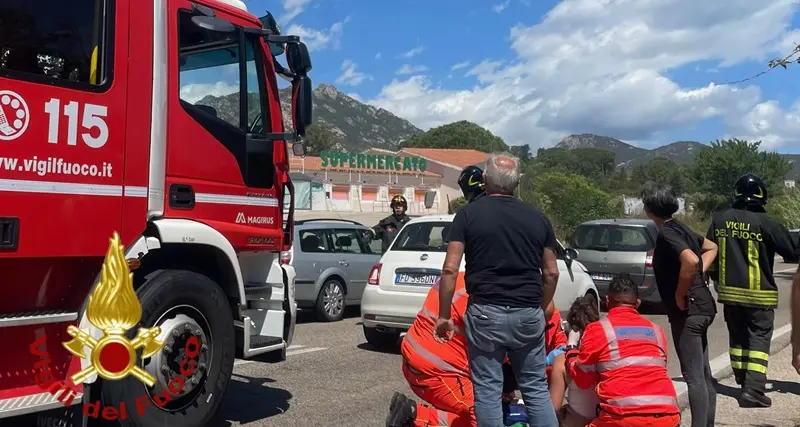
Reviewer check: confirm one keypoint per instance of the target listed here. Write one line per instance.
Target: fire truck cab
(161, 121)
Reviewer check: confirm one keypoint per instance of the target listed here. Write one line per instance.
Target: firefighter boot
(754, 399)
(402, 411)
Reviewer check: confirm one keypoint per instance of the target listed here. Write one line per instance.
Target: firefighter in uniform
(748, 240)
(387, 228)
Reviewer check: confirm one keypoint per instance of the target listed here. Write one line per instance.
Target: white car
(398, 284)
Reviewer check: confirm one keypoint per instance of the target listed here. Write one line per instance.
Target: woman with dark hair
(581, 406)
(680, 262)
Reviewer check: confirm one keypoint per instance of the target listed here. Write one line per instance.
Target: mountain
(628, 156)
(361, 126)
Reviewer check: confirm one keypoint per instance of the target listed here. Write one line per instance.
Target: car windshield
(617, 238)
(428, 236)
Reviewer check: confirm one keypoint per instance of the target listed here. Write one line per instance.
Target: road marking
(721, 362)
(293, 350)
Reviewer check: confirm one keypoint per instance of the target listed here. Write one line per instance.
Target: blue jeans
(492, 332)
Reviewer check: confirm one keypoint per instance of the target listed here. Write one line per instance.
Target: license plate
(606, 277)
(415, 279)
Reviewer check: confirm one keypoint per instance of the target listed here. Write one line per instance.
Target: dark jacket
(387, 229)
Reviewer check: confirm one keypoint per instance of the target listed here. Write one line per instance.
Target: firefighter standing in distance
(388, 227)
(748, 240)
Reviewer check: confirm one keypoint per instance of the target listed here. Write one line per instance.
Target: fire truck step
(259, 341)
(255, 288)
(22, 405)
(8, 320)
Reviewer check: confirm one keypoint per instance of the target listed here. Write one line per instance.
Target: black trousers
(690, 336)
(750, 334)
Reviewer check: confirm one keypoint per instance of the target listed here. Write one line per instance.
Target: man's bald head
(502, 173)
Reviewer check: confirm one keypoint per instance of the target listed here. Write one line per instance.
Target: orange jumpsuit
(626, 356)
(439, 372)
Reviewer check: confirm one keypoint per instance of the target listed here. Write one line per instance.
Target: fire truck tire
(184, 292)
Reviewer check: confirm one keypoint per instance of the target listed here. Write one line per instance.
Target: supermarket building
(365, 182)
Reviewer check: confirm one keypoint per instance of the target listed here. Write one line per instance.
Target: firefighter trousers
(750, 334)
(450, 399)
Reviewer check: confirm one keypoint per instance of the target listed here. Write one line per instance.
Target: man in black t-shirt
(511, 274)
(680, 261)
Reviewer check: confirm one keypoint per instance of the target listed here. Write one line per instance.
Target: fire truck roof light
(235, 3)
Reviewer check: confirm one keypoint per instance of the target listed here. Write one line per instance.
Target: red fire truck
(159, 120)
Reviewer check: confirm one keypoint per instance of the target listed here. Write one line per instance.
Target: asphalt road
(333, 378)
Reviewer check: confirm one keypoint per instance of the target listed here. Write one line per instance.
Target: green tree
(463, 134)
(521, 151)
(718, 167)
(588, 162)
(321, 136)
(569, 199)
(661, 171)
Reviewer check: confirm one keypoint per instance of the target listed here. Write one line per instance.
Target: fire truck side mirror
(212, 23)
(298, 58)
(299, 149)
(303, 104)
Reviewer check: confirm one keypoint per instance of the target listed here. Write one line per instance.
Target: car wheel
(330, 302)
(381, 340)
(596, 300)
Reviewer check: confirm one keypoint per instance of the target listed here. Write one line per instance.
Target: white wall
(634, 206)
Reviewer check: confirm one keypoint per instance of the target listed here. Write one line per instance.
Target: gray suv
(609, 247)
(332, 258)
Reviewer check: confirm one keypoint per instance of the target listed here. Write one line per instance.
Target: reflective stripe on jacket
(626, 355)
(422, 352)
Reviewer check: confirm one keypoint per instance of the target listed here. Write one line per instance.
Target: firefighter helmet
(471, 182)
(750, 189)
(399, 200)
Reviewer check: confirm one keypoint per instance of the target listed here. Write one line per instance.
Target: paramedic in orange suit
(439, 372)
(626, 355)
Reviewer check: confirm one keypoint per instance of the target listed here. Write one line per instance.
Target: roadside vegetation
(575, 185)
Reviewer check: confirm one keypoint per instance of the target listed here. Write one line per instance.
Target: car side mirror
(368, 235)
(571, 254)
(430, 198)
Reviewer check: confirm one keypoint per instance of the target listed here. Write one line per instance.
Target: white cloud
(378, 55)
(196, 91)
(770, 124)
(501, 6)
(411, 69)
(350, 76)
(460, 65)
(600, 66)
(292, 8)
(319, 39)
(413, 52)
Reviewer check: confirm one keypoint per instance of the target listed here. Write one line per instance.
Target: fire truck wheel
(193, 368)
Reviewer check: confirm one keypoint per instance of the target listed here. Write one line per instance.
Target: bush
(457, 204)
(569, 200)
(786, 208)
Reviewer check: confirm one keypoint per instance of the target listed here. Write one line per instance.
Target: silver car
(332, 258)
(609, 247)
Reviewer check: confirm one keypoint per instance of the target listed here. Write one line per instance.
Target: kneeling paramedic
(439, 372)
(748, 240)
(626, 355)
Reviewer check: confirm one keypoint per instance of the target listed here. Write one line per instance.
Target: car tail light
(286, 257)
(648, 260)
(375, 275)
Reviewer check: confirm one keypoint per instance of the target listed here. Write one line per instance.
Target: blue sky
(648, 72)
